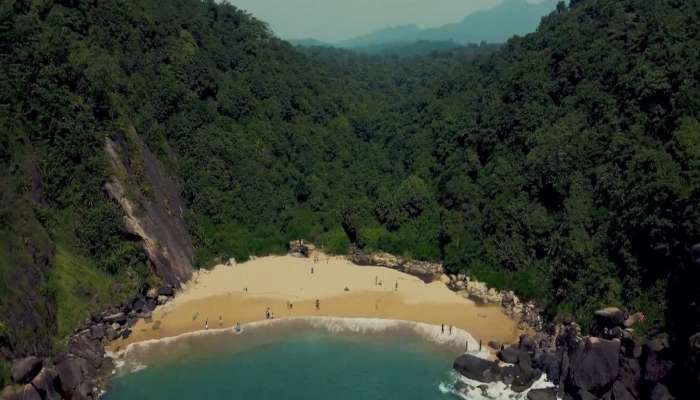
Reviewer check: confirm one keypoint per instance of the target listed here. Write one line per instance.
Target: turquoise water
(301, 365)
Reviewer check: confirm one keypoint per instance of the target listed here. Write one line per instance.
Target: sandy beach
(242, 293)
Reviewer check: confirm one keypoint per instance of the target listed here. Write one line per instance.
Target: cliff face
(27, 306)
(153, 210)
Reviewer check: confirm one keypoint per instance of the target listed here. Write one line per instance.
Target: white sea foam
(470, 389)
(335, 325)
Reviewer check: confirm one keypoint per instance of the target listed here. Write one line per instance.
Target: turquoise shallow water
(301, 365)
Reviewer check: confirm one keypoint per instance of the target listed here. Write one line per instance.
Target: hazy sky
(333, 20)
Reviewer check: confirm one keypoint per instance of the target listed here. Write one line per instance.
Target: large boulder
(509, 355)
(550, 363)
(27, 392)
(609, 317)
(46, 384)
(166, 290)
(630, 375)
(527, 344)
(119, 318)
(594, 365)
(477, 368)
(656, 367)
(660, 392)
(71, 372)
(25, 369)
(542, 394)
(86, 348)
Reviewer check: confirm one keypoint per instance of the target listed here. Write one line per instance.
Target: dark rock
(70, 372)
(656, 368)
(477, 368)
(509, 355)
(524, 379)
(550, 364)
(84, 347)
(619, 392)
(595, 365)
(151, 304)
(609, 317)
(119, 318)
(25, 369)
(359, 257)
(97, 332)
(166, 291)
(583, 394)
(660, 392)
(26, 393)
(138, 304)
(495, 345)
(126, 333)
(526, 344)
(615, 333)
(110, 333)
(630, 375)
(695, 254)
(508, 374)
(525, 375)
(542, 394)
(694, 342)
(46, 384)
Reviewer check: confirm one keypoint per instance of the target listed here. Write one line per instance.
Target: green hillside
(565, 165)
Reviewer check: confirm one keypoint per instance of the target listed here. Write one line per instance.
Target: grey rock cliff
(153, 210)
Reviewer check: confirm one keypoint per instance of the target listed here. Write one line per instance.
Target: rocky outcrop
(301, 248)
(153, 210)
(583, 367)
(82, 369)
(426, 271)
(477, 368)
(25, 369)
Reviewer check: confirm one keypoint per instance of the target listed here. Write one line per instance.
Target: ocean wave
(459, 338)
(470, 389)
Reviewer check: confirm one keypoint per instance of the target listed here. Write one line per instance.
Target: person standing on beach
(221, 321)
(318, 304)
(206, 324)
(450, 330)
(442, 326)
(396, 287)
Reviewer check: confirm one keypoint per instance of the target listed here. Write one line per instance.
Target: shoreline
(242, 293)
(332, 325)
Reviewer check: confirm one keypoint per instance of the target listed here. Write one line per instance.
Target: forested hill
(565, 166)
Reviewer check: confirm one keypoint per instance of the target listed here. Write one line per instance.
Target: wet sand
(242, 294)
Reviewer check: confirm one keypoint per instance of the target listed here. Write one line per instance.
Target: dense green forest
(564, 165)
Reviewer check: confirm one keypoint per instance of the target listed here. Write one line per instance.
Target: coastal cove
(299, 358)
(243, 293)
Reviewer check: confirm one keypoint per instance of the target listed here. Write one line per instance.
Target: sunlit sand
(244, 292)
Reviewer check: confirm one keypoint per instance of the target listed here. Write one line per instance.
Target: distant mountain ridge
(495, 25)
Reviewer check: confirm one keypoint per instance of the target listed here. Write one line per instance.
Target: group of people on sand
(466, 343)
(269, 314)
(379, 282)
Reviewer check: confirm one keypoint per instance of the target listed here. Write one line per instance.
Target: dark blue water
(309, 365)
